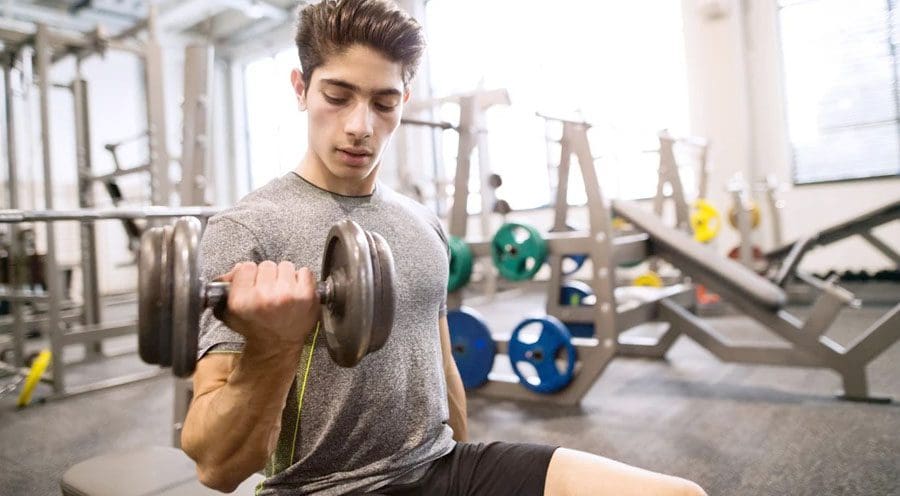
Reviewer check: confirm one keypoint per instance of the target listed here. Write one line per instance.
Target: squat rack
(35, 48)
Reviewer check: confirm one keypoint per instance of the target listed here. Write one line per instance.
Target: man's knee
(690, 488)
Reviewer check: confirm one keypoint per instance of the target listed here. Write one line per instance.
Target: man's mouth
(354, 156)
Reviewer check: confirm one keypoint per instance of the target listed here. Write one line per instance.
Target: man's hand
(269, 303)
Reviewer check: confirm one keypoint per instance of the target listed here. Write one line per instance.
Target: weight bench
(151, 471)
(760, 299)
(789, 255)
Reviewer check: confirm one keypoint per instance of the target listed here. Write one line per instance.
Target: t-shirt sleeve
(442, 312)
(224, 244)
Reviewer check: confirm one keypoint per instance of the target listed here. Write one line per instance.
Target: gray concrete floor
(735, 429)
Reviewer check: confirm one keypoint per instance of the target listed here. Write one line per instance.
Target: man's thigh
(575, 473)
(476, 469)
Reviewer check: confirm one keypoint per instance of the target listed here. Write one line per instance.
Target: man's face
(354, 102)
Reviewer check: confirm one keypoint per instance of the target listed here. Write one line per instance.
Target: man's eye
(334, 100)
(384, 108)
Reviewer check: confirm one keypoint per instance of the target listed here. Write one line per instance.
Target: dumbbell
(356, 292)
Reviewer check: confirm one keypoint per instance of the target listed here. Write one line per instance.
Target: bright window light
(276, 129)
(619, 65)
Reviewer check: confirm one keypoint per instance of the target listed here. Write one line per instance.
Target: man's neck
(314, 171)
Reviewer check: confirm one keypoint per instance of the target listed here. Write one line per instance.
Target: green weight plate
(461, 261)
(385, 301)
(186, 298)
(348, 314)
(518, 251)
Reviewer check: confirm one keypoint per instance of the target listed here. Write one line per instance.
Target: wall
(736, 100)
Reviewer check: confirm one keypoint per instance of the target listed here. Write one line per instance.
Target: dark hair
(331, 26)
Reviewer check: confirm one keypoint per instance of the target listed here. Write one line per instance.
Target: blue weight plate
(573, 293)
(553, 341)
(472, 345)
(577, 259)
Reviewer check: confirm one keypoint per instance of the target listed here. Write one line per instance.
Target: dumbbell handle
(215, 294)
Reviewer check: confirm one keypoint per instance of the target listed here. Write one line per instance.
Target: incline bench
(760, 299)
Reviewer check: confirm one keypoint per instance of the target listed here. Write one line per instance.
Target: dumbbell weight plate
(155, 297)
(348, 316)
(186, 298)
(385, 303)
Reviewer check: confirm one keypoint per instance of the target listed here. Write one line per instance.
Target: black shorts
(494, 469)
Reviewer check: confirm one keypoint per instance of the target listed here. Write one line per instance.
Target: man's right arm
(228, 440)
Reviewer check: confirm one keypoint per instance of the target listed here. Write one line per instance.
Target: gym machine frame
(605, 252)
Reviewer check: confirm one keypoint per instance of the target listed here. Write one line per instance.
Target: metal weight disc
(149, 292)
(165, 300)
(348, 313)
(461, 261)
(186, 304)
(473, 348)
(575, 293)
(383, 285)
(551, 354)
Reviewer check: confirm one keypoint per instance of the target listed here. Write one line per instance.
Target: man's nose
(359, 124)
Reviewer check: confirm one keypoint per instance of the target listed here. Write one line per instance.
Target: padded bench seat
(698, 261)
(151, 471)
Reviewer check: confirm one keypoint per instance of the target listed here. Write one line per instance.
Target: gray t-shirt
(385, 419)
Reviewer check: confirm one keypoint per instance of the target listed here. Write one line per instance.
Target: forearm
(231, 429)
(456, 400)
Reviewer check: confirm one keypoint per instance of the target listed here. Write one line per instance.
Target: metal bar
(160, 186)
(15, 252)
(706, 336)
(435, 124)
(197, 108)
(882, 247)
(121, 172)
(93, 333)
(51, 271)
(88, 215)
(108, 383)
(789, 264)
(877, 338)
(90, 285)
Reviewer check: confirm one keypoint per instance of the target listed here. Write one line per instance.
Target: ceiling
(226, 22)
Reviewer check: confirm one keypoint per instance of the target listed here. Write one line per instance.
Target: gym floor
(735, 429)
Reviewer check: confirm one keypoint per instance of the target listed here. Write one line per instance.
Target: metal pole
(156, 116)
(90, 285)
(89, 215)
(51, 270)
(198, 67)
(15, 251)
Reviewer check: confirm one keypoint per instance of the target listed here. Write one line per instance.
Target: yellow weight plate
(38, 367)
(755, 216)
(705, 221)
(648, 279)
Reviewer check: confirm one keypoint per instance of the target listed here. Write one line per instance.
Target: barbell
(356, 292)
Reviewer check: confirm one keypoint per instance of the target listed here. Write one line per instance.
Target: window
(276, 130)
(843, 100)
(620, 64)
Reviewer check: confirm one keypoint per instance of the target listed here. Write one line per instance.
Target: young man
(267, 395)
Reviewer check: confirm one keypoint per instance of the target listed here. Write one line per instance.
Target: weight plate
(461, 261)
(552, 345)
(518, 251)
(705, 221)
(648, 279)
(186, 304)
(755, 216)
(472, 346)
(577, 262)
(347, 316)
(574, 293)
(385, 302)
(150, 274)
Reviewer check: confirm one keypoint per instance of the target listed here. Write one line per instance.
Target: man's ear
(299, 88)
(406, 95)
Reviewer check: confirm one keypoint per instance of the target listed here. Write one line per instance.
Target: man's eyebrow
(356, 89)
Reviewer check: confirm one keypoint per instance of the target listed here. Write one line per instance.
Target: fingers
(266, 273)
